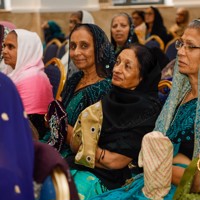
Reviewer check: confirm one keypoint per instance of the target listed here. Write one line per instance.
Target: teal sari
(185, 114)
(169, 124)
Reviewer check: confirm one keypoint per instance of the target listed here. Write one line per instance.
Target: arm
(177, 172)
(110, 160)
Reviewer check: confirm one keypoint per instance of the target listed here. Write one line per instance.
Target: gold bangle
(198, 164)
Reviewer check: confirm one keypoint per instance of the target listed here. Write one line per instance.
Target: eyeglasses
(190, 47)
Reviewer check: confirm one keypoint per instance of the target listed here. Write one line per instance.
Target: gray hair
(194, 24)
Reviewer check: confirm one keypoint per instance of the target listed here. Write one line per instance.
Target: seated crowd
(113, 134)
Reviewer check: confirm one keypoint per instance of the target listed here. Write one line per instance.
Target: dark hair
(132, 38)
(158, 20)
(140, 13)
(158, 26)
(146, 59)
(103, 50)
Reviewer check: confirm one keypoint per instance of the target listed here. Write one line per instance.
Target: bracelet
(102, 154)
(198, 164)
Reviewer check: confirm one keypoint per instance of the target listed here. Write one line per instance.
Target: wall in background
(32, 20)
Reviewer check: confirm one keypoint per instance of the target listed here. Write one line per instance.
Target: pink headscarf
(29, 76)
(8, 24)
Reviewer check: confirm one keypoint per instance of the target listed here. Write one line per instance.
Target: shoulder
(101, 87)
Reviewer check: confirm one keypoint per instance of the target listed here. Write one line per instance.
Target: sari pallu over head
(104, 58)
(29, 69)
(29, 55)
(126, 112)
(179, 89)
(132, 37)
(104, 54)
(16, 147)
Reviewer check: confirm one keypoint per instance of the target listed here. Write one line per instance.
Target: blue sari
(16, 146)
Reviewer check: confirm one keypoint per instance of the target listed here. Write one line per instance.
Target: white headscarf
(87, 17)
(29, 55)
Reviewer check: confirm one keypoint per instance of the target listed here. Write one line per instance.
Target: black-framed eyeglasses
(179, 44)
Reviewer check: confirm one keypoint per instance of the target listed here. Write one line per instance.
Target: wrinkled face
(10, 50)
(149, 15)
(126, 73)
(137, 20)
(73, 20)
(189, 58)
(120, 29)
(82, 49)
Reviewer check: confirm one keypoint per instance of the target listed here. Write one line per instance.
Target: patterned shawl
(180, 87)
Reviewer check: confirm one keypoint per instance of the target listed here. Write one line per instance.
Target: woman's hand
(177, 172)
(110, 160)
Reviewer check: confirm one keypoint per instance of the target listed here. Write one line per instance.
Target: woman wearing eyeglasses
(179, 121)
(155, 24)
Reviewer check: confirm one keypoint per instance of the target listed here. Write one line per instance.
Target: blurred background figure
(52, 30)
(155, 25)
(80, 17)
(138, 17)
(122, 31)
(8, 24)
(182, 19)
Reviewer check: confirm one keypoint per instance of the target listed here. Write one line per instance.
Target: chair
(61, 185)
(51, 50)
(154, 41)
(55, 71)
(164, 88)
(55, 187)
(62, 49)
(170, 50)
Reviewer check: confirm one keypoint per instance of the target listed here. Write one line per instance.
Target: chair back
(51, 50)
(61, 184)
(55, 71)
(170, 49)
(62, 49)
(164, 88)
(154, 41)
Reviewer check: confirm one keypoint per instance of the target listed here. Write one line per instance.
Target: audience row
(109, 126)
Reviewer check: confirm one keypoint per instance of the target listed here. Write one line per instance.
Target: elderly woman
(121, 119)
(179, 119)
(23, 53)
(79, 17)
(16, 146)
(92, 53)
(122, 31)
